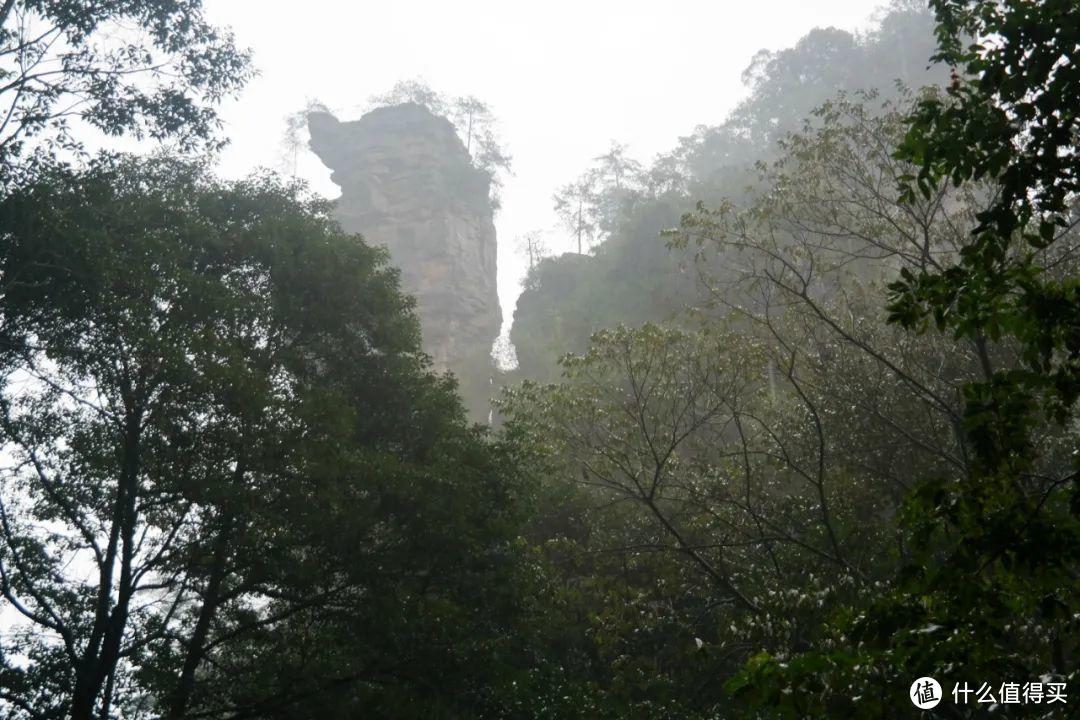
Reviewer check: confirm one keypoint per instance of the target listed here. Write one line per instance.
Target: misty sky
(563, 78)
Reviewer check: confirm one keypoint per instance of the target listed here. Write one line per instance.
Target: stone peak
(407, 120)
(408, 183)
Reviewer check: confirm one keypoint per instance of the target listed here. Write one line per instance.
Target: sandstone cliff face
(407, 182)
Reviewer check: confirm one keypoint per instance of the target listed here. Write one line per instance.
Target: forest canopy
(794, 425)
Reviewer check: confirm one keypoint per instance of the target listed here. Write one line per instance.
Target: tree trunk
(185, 686)
(103, 652)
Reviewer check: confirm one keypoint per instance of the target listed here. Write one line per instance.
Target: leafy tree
(415, 91)
(692, 520)
(776, 447)
(575, 204)
(1012, 117)
(786, 84)
(615, 169)
(618, 181)
(71, 59)
(472, 119)
(767, 444)
(570, 297)
(988, 585)
(591, 207)
(226, 457)
(475, 122)
(902, 41)
(292, 142)
(533, 247)
(633, 279)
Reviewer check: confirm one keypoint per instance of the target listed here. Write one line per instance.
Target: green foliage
(803, 487)
(1010, 117)
(568, 298)
(75, 59)
(988, 587)
(234, 487)
(616, 209)
(689, 519)
(471, 117)
(591, 207)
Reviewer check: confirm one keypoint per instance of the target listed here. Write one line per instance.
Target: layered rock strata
(408, 183)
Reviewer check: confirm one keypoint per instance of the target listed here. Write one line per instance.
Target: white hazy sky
(564, 78)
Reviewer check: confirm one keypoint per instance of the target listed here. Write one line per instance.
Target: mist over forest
(777, 422)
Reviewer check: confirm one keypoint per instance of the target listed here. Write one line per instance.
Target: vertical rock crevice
(408, 183)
